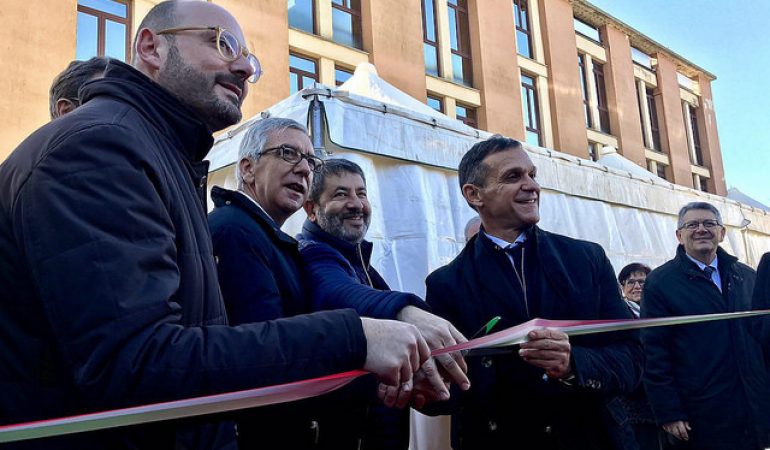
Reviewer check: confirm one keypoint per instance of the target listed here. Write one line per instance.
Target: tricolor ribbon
(299, 390)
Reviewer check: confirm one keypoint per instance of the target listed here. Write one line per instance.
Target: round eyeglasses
(229, 48)
(293, 156)
(693, 225)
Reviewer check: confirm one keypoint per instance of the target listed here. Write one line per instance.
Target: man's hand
(678, 429)
(394, 350)
(549, 350)
(421, 390)
(439, 333)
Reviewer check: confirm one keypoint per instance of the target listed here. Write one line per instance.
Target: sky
(730, 40)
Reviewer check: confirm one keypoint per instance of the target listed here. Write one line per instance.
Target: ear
(309, 207)
(679, 236)
(722, 233)
(150, 50)
(246, 169)
(472, 194)
(64, 106)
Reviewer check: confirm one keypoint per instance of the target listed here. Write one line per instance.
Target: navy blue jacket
(343, 278)
(110, 295)
(510, 401)
(710, 374)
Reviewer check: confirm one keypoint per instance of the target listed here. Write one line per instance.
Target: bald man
(110, 295)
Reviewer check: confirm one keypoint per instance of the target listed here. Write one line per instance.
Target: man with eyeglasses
(110, 295)
(707, 383)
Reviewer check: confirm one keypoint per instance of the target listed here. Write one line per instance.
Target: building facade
(560, 74)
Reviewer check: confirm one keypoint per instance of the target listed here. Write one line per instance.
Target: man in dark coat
(337, 260)
(551, 393)
(707, 383)
(110, 295)
(761, 300)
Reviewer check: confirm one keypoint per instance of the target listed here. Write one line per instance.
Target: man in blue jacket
(110, 295)
(336, 257)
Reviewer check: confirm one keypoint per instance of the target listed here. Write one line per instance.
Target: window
(430, 37)
(103, 29)
(686, 82)
(523, 33)
(657, 168)
(459, 40)
(341, 75)
(601, 97)
(593, 151)
(586, 30)
(641, 58)
(704, 184)
(584, 87)
(648, 111)
(466, 115)
(346, 22)
(302, 15)
(697, 154)
(436, 103)
(303, 72)
(652, 110)
(531, 110)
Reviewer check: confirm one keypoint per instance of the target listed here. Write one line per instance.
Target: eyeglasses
(229, 48)
(293, 156)
(695, 224)
(631, 282)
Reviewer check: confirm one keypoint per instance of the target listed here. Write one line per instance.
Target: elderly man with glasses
(707, 383)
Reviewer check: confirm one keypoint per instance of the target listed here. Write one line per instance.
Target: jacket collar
(222, 197)
(726, 262)
(173, 119)
(313, 232)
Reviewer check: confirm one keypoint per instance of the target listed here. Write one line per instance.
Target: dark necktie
(708, 271)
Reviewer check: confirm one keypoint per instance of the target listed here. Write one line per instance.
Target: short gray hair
(256, 138)
(698, 205)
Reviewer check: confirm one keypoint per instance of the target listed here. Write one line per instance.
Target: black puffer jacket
(109, 290)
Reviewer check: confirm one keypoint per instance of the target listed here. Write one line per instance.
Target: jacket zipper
(364, 265)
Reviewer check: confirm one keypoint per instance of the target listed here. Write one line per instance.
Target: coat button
(486, 362)
(203, 182)
(548, 429)
(492, 425)
(228, 202)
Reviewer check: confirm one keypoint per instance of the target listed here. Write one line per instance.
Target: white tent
(410, 155)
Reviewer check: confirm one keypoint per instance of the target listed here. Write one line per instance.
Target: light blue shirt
(502, 243)
(715, 278)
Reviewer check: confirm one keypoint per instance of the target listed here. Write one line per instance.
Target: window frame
(302, 73)
(652, 110)
(521, 16)
(525, 101)
(584, 86)
(313, 16)
(601, 98)
(470, 119)
(697, 151)
(101, 25)
(427, 41)
(460, 11)
(438, 99)
(355, 22)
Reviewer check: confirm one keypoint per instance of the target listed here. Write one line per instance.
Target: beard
(334, 224)
(195, 89)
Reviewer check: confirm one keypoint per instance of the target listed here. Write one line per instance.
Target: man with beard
(336, 258)
(262, 279)
(552, 392)
(707, 383)
(110, 296)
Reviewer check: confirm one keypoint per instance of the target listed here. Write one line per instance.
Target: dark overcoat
(712, 374)
(511, 403)
(109, 290)
(761, 300)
